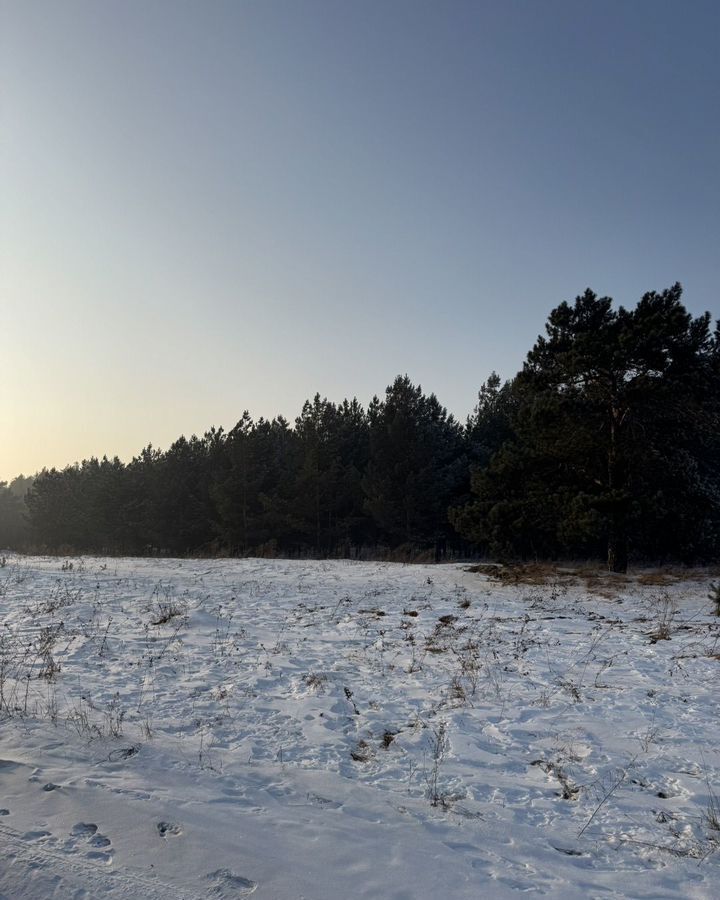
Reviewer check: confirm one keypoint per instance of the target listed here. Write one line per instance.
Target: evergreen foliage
(607, 443)
(612, 439)
(417, 465)
(13, 522)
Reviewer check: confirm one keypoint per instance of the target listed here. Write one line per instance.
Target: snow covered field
(323, 730)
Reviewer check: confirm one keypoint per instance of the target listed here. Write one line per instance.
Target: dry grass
(659, 579)
(596, 580)
(525, 573)
(674, 574)
(362, 752)
(604, 585)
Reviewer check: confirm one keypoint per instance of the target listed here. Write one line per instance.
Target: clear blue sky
(213, 206)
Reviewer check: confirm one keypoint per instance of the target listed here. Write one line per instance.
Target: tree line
(606, 444)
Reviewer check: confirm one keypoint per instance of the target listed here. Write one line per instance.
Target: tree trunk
(617, 543)
(617, 532)
(317, 506)
(244, 510)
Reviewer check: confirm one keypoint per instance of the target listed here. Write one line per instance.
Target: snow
(216, 729)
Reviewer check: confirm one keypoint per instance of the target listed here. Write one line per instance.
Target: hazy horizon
(226, 426)
(212, 208)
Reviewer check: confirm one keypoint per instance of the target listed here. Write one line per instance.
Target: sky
(207, 207)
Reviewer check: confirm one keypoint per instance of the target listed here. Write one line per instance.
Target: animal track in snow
(323, 802)
(229, 885)
(38, 835)
(99, 840)
(86, 835)
(168, 828)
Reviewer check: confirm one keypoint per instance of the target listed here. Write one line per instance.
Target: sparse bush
(712, 814)
(46, 642)
(79, 718)
(165, 607)
(61, 597)
(664, 612)
(114, 716)
(571, 688)
(570, 791)
(316, 681)
(457, 691)
(438, 749)
(362, 752)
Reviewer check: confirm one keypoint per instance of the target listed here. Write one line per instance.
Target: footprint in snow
(86, 833)
(4, 812)
(99, 840)
(168, 828)
(39, 835)
(228, 884)
(323, 802)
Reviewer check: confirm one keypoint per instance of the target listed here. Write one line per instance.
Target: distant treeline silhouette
(606, 444)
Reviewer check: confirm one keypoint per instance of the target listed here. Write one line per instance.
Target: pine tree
(416, 466)
(612, 408)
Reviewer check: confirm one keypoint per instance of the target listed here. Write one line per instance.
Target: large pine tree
(612, 408)
(417, 465)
